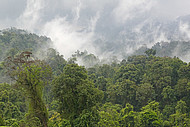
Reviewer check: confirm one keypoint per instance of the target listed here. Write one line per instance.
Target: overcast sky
(12, 10)
(74, 24)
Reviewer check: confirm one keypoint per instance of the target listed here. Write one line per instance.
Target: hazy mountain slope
(14, 40)
(125, 40)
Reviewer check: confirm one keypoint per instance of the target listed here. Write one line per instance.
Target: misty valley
(39, 87)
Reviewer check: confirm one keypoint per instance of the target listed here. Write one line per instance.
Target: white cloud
(75, 24)
(69, 36)
(185, 29)
(171, 9)
(31, 17)
(67, 32)
(160, 38)
(77, 10)
(129, 9)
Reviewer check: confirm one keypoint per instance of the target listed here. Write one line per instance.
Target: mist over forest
(95, 63)
(104, 28)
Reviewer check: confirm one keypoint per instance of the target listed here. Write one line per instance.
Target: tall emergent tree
(31, 75)
(75, 92)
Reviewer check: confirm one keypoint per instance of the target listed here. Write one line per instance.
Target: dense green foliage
(75, 92)
(141, 91)
(13, 41)
(170, 49)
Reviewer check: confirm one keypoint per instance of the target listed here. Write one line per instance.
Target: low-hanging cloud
(185, 29)
(68, 35)
(100, 26)
(129, 9)
(31, 17)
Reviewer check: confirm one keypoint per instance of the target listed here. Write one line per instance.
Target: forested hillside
(179, 49)
(14, 40)
(140, 91)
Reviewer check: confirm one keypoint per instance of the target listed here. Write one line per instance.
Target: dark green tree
(150, 116)
(56, 61)
(150, 52)
(144, 94)
(180, 118)
(75, 92)
(110, 115)
(129, 116)
(2, 121)
(122, 92)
